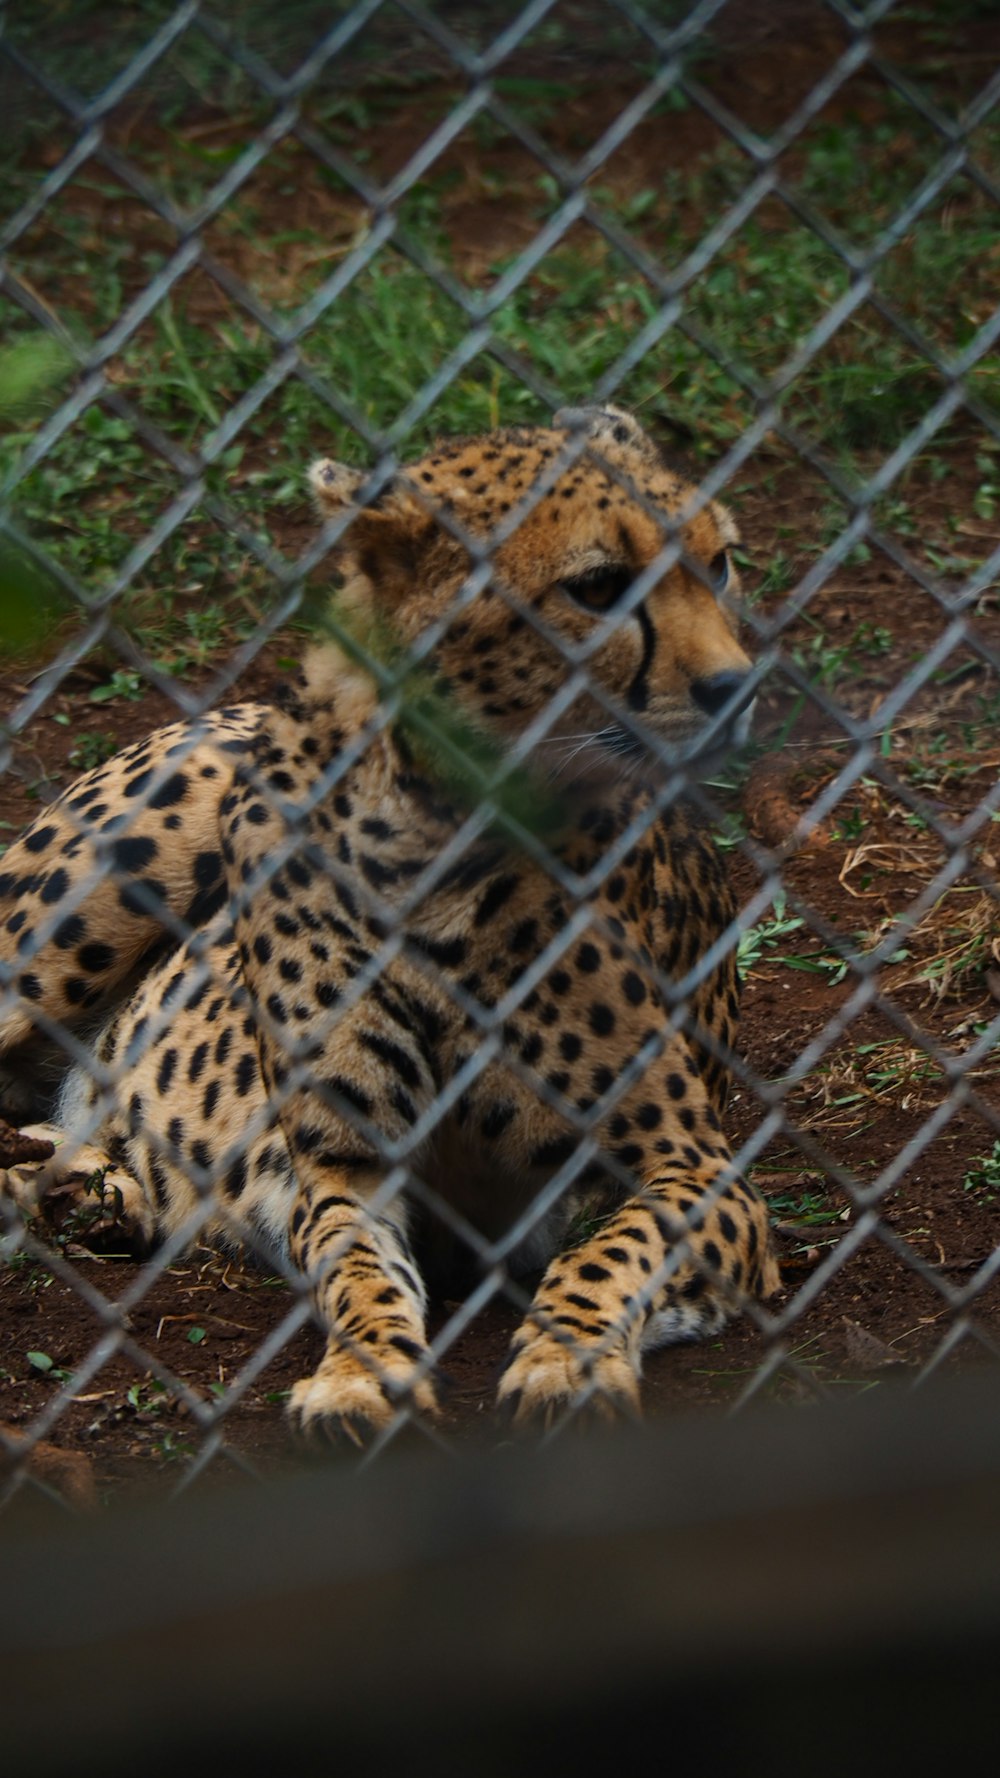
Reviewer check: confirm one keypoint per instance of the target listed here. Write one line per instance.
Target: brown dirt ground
(883, 1308)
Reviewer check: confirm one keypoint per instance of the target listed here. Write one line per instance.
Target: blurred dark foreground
(797, 1592)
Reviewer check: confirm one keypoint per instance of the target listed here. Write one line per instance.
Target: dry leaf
(866, 1350)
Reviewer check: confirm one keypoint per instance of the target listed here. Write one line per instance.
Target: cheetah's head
(568, 577)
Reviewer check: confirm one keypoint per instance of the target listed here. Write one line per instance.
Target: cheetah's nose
(712, 695)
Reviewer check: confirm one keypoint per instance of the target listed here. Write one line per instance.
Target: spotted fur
(365, 1011)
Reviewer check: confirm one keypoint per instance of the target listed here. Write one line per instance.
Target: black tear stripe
(637, 697)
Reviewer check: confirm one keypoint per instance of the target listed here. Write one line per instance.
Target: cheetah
(309, 992)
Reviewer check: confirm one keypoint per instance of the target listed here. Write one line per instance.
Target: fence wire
(835, 1205)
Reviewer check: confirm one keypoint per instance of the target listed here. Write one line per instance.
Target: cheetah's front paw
(348, 1402)
(113, 1200)
(548, 1379)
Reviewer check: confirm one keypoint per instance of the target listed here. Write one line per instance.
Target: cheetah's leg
(370, 1297)
(673, 1264)
(344, 1074)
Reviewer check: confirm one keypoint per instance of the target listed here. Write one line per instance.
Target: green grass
(101, 487)
(759, 941)
(805, 1208)
(983, 1177)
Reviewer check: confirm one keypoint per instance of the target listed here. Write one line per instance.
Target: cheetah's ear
(391, 537)
(397, 507)
(613, 429)
(334, 485)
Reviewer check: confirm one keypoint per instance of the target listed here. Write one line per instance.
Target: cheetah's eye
(600, 588)
(718, 572)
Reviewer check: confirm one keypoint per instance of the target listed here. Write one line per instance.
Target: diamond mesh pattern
(464, 53)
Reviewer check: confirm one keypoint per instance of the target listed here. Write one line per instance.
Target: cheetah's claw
(347, 1403)
(549, 1380)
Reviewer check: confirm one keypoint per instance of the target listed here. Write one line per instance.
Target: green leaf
(464, 759)
(30, 600)
(28, 370)
(195, 1336)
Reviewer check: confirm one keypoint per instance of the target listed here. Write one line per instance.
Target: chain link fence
(232, 239)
